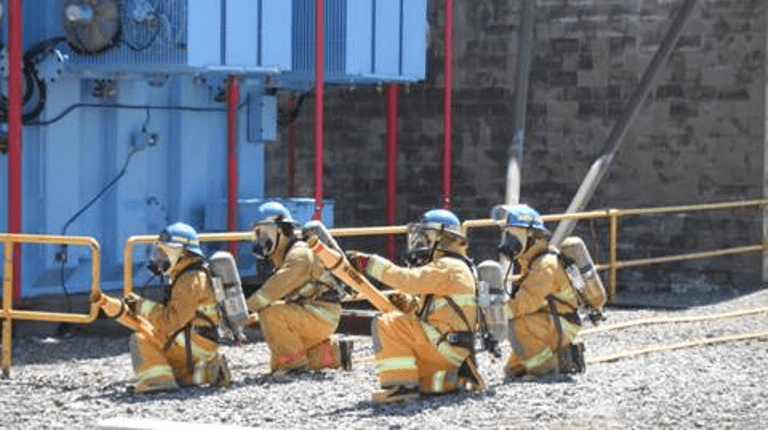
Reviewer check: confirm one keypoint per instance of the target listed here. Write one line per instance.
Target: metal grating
(153, 32)
(335, 21)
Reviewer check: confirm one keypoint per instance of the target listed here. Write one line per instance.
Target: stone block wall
(698, 137)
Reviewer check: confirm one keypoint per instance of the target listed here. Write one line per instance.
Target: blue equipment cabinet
(127, 129)
(366, 41)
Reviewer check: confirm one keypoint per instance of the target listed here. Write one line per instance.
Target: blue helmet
(442, 219)
(518, 216)
(184, 235)
(437, 228)
(274, 212)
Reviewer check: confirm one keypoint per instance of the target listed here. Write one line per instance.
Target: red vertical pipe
(233, 98)
(318, 132)
(292, 150)
(392, 93)
(447, 90)
(14, 136)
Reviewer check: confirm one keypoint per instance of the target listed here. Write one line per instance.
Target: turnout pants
(533, 339)
(408, 354)
(155, 366)
(301, 336)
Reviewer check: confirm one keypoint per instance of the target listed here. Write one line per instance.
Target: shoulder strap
(458, 311)
(290, 245)
(556, 319)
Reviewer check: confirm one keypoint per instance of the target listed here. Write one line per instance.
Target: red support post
(233, 98)
(292, 104)
(392, 93)
(447, 90)
(318, 132)
(15, 35)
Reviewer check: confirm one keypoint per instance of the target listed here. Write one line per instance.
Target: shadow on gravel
(47, 350)
(120, 392)
(430, 402)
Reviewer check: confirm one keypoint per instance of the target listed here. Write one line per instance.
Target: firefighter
(298, 310)
(185, 350)
(543, 305)
(427, 345)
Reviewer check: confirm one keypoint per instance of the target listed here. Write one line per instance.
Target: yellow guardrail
(613, 217)
(132, 241)
(8, 314)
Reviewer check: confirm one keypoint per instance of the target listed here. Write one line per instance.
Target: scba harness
(224, 280)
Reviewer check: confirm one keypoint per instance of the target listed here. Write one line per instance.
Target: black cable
(62, 254)
(69, 109)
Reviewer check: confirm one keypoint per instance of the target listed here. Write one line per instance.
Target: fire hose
(665, 347)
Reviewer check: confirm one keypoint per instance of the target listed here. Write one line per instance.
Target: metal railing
(612, 216)
(132, 241)
(8, 314)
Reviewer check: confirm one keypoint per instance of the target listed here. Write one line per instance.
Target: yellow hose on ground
(670, 347)
(670, 320)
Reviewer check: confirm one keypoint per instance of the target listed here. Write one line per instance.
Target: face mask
(159, 264)
(164, 258)
(264, 243)
(420, 241)
(512, 244)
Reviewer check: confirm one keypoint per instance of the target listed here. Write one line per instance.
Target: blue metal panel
(365, 42)
(387, 43)
(303, 55)
(276, 31)
(415, 32)
(204, 38)
(242, 27)
(4, 194)
(262, 118)
(335, 37)
(359, 47)
(302, 210)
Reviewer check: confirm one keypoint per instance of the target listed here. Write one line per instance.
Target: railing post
(7, 303)
(613, 218)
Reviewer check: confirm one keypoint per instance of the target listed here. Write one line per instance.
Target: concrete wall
(698, 138)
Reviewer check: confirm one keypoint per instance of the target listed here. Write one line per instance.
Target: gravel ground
(80, 381)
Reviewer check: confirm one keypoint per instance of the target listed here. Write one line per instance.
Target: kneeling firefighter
(543, 305)
(186, 321)
(298, 309)
(427, 346)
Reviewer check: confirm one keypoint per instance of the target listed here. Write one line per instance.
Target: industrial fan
(91, 25)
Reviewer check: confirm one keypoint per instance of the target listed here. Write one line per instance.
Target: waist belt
(209, 333)
(464, 339)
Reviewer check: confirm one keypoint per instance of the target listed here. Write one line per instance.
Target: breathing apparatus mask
(422, 243)
(514, 241)
(267, 238)
(164, 257)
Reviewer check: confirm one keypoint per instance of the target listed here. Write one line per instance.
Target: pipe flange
(50, 67)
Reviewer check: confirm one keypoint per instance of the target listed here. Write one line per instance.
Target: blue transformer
(125, 114)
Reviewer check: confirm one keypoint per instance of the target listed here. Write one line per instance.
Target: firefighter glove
(403, 301)
(358, 260)
(132, 302)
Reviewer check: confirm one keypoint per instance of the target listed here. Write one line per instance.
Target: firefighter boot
(217, 371)
(345, 352)
(153, 387)
(395, 394)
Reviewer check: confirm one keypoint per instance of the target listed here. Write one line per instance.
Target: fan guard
(91, 25)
